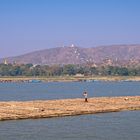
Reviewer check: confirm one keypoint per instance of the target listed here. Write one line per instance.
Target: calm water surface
(60, 90)
(108, 126)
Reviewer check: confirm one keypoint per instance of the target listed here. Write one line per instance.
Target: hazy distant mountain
(115, 54)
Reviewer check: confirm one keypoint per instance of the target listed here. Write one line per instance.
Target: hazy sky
(28, 25)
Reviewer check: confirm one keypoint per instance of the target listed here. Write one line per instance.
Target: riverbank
(68, 79)
(13, 110)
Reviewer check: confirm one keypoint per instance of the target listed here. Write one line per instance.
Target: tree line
(60, 70)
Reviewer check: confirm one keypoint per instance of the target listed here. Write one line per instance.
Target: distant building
(79, 75)
(72, 46)
(14, 63)
(5, 62)
(94, 65)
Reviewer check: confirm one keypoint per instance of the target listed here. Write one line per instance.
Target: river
(104, 126)
(63, 90)
(108, 126)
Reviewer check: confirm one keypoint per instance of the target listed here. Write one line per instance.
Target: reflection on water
(108, 126)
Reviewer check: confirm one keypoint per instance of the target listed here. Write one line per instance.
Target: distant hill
(109, 55)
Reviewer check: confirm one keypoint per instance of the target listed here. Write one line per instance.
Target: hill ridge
(111, 54)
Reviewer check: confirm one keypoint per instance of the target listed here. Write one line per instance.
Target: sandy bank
(68, 79)
(69, 107)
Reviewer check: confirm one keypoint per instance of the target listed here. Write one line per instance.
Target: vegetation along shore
(14, 110)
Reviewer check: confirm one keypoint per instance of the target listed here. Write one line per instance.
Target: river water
(104, 126)
(60, 90)
(108, 126)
